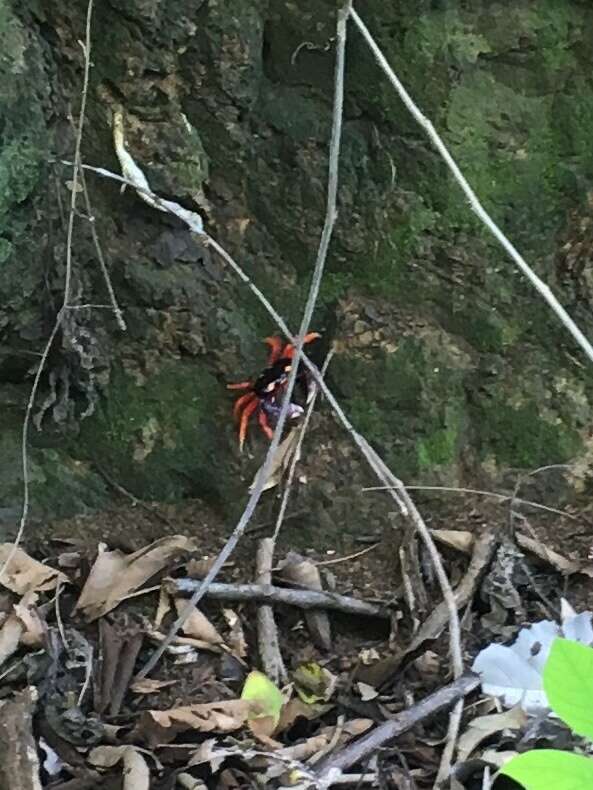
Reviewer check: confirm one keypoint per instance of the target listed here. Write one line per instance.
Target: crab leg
(247, 412)
(264, 424)
(275, 345)
(288, 350)
(242, 402)
(242, 385)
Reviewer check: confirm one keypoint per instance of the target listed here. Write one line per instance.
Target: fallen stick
(304, 599)
(331, 769)
(19, 764)
(267, 633)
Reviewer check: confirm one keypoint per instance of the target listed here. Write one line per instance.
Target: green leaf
(568, 683)
(549, 769)
(266, 698)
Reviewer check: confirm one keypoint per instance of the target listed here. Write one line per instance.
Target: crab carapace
(264, 395)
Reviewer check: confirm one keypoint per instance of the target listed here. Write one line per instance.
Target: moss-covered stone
(24, 150)
(155, 435)
(448, 363)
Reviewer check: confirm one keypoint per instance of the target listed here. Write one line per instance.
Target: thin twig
(520, 480)
(475, 204)
(479, 492)
(399, 492)
(304, 599)
(88, 673)
(101, 258)
(66, 298)
(450, 744)
(400, 723)
(297, 453)
(348, 557)
(332, 189)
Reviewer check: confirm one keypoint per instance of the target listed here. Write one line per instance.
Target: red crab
(264, 394)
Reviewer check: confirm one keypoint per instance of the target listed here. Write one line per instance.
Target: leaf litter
(210, 716)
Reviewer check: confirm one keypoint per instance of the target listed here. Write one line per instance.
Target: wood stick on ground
(358, 751)
(304, 599)
(435, 623)
(19, 764)
(267, 632)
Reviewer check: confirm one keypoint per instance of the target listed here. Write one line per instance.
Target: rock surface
(447, 361)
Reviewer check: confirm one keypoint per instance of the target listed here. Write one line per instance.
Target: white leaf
(514, 673)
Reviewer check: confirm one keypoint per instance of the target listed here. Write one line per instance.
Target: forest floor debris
(368, 685)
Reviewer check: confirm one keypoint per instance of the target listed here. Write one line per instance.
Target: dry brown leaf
(24, 574)
(197, 625)
(189, 782)
(366, 691)
(319, 743)
(115, 575)
(106, 756)
(160, 726)
(557, 561)
(236, 638)
(163, 608)
(305, 574)
(458, 539)
(207, 753)
(150, 685)
(225, 716)
(295, 709)
(187, 641)
(483, 727)
(34, 628)
(135, 770)
(197, 569)
(280, 462)
(10, 637)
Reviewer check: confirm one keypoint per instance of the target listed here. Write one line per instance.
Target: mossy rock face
(24, 153)
(448, 362)
(154, 434)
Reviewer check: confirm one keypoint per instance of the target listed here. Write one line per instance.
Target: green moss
(58, 485)
(23, 135)
(520, 437)
(414, 406)
(161, 438)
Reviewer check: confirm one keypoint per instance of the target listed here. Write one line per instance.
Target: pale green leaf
(549, 769)
(267, 698)
(568, 683)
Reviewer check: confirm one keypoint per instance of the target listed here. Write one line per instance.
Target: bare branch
(331, 769)
(304, 599)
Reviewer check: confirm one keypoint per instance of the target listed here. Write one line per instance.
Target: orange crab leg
(275, 345)
(288, 350)
(247, 412)
(243, 401)
(264, 424)
(242, 385)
